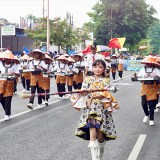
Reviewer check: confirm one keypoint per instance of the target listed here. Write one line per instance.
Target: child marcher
(158, 100)
(80, 66)
(61, 71)
(9, 71)
(149, 88)
(25, 76)
(38, 67)
(96, 122)
(70, 73)
(108, 66)
(46, 78)
(17, 63)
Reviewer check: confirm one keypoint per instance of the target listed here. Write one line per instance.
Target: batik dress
(98, 113)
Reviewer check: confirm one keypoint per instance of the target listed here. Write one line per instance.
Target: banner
(134, 65)
(8, 30)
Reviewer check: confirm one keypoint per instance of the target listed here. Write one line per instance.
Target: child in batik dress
(96, 122)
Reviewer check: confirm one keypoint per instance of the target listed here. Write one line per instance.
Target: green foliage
(154, 36)
(121, 18)
(61, 33)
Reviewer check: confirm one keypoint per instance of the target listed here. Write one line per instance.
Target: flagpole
(1, 37)
(111, 31)
(48, 30)
(1, 40)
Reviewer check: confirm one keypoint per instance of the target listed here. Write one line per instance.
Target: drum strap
(6, 68)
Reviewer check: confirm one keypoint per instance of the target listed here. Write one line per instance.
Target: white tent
(123, 49)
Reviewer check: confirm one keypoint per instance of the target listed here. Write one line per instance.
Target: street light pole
(48, 29)
(111, 31)
(43, 9)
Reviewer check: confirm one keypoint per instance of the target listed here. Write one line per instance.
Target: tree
(61, 33)
(154, 36)
(121, 18)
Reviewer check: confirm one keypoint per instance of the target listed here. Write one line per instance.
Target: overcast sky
(13, 9)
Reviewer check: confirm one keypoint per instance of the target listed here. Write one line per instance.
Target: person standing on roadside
(120, 66)
(91, 58)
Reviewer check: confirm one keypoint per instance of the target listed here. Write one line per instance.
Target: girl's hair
(98, 62)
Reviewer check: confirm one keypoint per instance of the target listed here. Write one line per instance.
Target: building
(17, 41)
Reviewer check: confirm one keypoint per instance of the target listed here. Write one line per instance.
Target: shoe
(43, 102)
(6, 117)
(23, 90)
(15, 92)
(151, 123)
(30, 105)
(100, 149)
(46, 103)
(156, 110)
(60, 98)
(39, 105)
(69, 95)
(27, 91)
(66, 96)
(93, 147)
(145, 119)
(158, 105)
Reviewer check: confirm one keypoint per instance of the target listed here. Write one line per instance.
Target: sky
(13, 9)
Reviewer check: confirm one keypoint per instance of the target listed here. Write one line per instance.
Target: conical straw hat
(62, 57)
(32, 53)
(16, 60)
(48, 58)
(25, 57)
(149, 60)
(71, 60)
(7, 55)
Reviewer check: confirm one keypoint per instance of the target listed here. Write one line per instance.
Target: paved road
(48, 133)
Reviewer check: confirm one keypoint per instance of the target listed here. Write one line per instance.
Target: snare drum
(70, 75)
(45, 75)
(60, 73)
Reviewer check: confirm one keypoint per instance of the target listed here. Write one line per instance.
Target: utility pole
(48, 29)
(111, 30)
(43, 9)
(111, 21)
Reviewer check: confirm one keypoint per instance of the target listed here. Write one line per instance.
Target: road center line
(137, 148)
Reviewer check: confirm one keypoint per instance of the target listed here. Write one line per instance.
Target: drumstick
(26, 95)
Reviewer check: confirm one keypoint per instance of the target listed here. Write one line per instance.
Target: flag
(116, 43)
(87, 50)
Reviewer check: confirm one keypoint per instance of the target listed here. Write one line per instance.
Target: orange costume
(8, 72)
(36, 83)
(150, 91)
(149, 88)
(61, 69)
(120, 67)
(78, 78)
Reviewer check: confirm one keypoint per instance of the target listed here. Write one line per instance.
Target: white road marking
(122, 78)
(123, 84)
(27, 111)
(137, 148)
